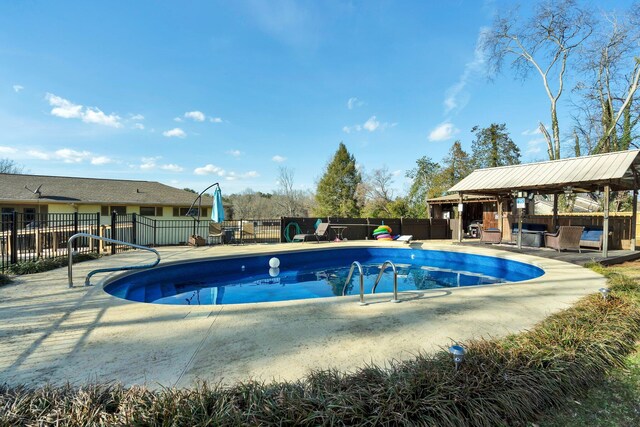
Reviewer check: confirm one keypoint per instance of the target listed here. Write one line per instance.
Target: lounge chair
(567, 237)
(247, 231)
(215, 230)
(320, 233)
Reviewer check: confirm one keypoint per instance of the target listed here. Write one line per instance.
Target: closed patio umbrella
(217, 210)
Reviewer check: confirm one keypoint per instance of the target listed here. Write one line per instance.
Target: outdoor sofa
(592, 237)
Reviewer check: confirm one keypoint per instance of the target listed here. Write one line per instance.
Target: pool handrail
(355, 264)
(104, 270)
(395, 279)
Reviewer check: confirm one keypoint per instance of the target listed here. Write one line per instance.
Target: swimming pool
(311, 274)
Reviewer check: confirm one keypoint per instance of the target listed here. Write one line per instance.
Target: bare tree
(290, 200)
(612, 72)
(376, 193)
(9, 166)
(542, 43)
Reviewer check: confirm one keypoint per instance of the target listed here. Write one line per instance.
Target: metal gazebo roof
(587, 173)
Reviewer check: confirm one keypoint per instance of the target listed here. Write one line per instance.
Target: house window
(188, 212)
(29, 215)
(151, 210)
(119, 210)
(193, 212)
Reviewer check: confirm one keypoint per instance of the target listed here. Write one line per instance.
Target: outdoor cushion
(592, 233)
(592, 237)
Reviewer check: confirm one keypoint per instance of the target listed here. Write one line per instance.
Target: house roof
(63, 189)
(586, 173)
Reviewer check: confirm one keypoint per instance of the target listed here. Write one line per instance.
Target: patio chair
(320, 233)
(215, 230)
(491, 235)
(567, 237)
(247, 231)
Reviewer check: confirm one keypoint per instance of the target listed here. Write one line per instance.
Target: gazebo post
(634, 216)
(519, 225)
(500, 207)
(555, 211)
(605, 225)
(460, 209)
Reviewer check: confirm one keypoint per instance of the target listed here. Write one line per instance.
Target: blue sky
(193, 92)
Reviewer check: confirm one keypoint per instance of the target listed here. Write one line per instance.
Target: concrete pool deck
(50, 333)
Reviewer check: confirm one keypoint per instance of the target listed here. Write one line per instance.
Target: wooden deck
(616, 256)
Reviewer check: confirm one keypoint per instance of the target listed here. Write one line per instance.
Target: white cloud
(94, 115)
(139, 126)
(535, 146)
(175, 132)
(349, 129)
(371, 124)
(234, 153)
(278, 158)
(178, 119)
(101, 160)
(7, 150)
(209, 170)
(68, 110)
(443, 131)
(63, 108)
(137, 117)
(17, 88)
(148, 163)
(354, 102)
(397, 172)
(37, 154)
(215, 119)
(198, 116)
(232, 176)
(531, 132)
(456, 97)
(172, 168)
(71, 156)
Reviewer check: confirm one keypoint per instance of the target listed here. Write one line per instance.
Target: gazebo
(587, 174)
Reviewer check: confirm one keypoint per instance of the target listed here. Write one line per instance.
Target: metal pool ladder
(395, 279)
(104, 270)
(355, 264)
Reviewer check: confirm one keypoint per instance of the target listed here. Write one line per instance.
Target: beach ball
(274, 262)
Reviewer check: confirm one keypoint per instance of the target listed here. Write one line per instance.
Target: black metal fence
(29, 237)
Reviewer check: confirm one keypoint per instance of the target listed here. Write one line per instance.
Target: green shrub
(4, 279)
(47, 264)
(509, 381)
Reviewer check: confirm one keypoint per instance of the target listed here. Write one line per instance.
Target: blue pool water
(312, 274)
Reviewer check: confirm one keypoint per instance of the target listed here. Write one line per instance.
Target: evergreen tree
(493, 147)
(423, 186)
(457, 165)
(336, 192)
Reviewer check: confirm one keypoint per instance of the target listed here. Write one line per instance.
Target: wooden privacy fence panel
(362, 228)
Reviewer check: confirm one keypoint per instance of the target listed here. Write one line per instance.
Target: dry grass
(509, 381)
